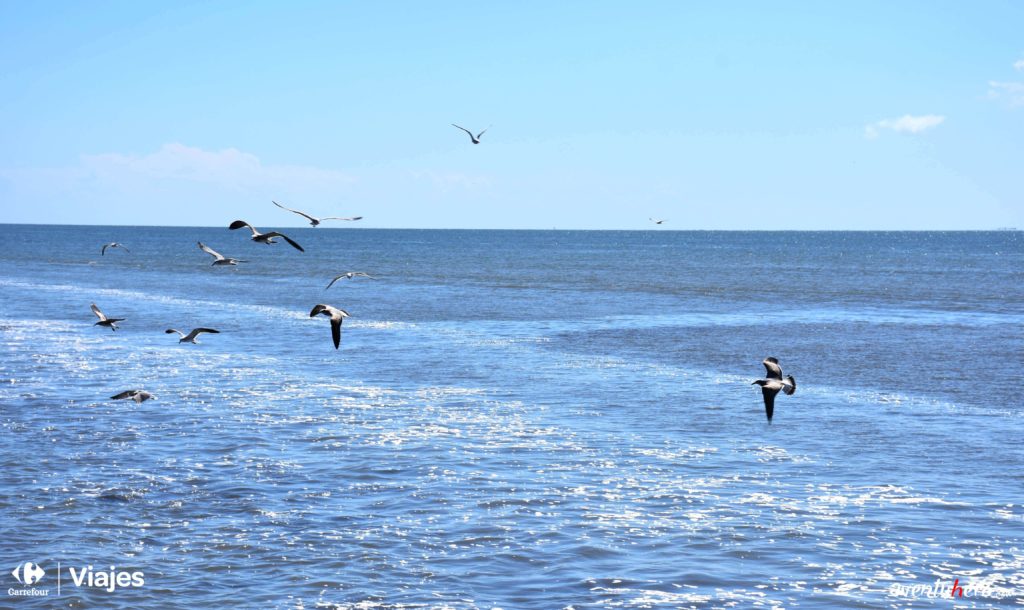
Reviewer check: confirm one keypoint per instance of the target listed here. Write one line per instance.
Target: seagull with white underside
(112, 244)
(773, 382)
(191, 337)
(349, 275)
(313, 220)
(139, 396)
(110, 323)
(218, 258)
(336, 315)
(264, 238)
(475, 139)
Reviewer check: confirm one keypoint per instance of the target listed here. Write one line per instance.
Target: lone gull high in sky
(314, 221)
(475, 139)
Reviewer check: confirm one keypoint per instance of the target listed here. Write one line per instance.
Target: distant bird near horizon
(218, 258)
(336, 315)
(191, 337)
(349, 275)
(773, 382)
(112, 244)
(110, 323)
(475, 139)
(314, 221)
(657, 222)
(139, 396)
(264, 238)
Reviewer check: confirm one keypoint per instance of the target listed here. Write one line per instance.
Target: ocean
(514, 419)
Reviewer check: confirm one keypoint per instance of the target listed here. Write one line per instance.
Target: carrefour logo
(28, 573)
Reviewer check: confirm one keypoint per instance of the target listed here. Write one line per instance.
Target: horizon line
(658, 230)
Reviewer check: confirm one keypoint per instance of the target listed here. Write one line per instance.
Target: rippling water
(521, 419)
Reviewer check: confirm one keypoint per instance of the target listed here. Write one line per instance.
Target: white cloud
(179, 184)
(173, 185)
(1012, 92)
(230, 168)
(905, 124)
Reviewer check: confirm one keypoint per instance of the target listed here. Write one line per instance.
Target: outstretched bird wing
(772, 366)
(336, 330)
(482, 132)
(340, 218)
(216, 255)
(769, 400)
(99, 314)
(103, 250)
(174, 330)
(336, 278)
(191, 336)
(125, 394)
(286, 238)
(238, 224)
(294, 211)
(474, 139)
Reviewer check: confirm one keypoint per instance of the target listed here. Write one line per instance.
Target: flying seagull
(337, 315)
(476, 138)
(111, 323)
(139, 396)
(774, 382)
(349, 275)
(191, 337)
(265, 238)
(218, 258)
(112, 244)
(314, 221)
(657, 222)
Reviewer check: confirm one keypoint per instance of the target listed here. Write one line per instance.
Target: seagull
(349, 275)
(112, 244)
(657, 222)
(104, 320)
(774, 382)
(191, 337)
(476, 138)
(266, 238)
(218, 258)
(337, 316)
(139, 396)
(313, 221)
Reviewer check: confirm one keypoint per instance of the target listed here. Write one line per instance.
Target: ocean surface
(515, 419)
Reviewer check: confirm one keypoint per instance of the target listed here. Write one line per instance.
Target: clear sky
(714, 115)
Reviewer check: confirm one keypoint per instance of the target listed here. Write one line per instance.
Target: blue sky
(866, 115)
